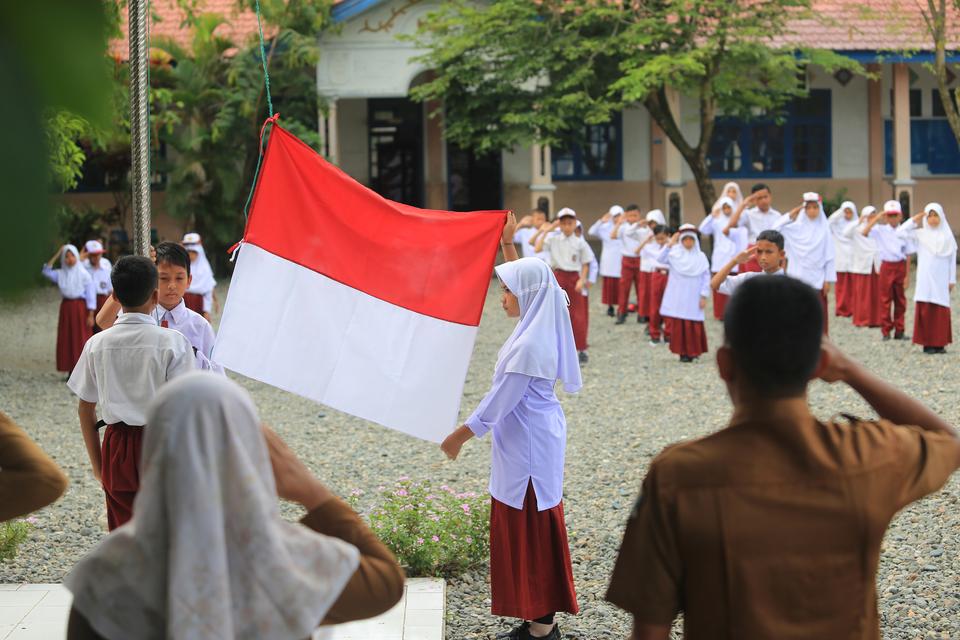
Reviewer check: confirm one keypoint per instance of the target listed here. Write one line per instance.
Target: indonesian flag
(344, 297)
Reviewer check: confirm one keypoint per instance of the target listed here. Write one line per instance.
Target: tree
(518, 71)
(940, 18)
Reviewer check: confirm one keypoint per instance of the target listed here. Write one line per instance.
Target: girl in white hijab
(839, 220)
(810, 249)
(77, 306)
(936, 276)
(864, 271)
(688, 286)
(727, 241)
(200, 293)
(531, 576)
(732, 191)
(207, 554)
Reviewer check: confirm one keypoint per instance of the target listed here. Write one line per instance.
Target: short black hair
(759, 187)
(660, 229)
(774, 325)
(134, 278)
(173, 253)
(632, 207)
(770, 235)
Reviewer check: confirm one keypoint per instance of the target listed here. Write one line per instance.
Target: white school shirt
(725, 247)
(732, 283)
(610, 255)
(121, 368)
(631, 236)
(863, 250)
(101, 276)
(195, 328)
(756, 221)
(567, 253)
(648, 257)
(935, 273)
(816, 278)
(527, 250)
(681, 298)
(890, 246)
(529, 434)
(87, 293)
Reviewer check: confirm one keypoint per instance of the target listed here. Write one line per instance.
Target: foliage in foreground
(12, 534)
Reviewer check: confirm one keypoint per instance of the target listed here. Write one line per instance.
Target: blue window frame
(600, 157)
(800, 147)
(932, 143)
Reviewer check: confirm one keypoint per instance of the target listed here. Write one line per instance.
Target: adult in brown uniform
(29, 479)
(771, 527)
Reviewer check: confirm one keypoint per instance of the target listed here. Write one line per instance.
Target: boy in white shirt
(99, 269)
(631, 232)
(769, 254)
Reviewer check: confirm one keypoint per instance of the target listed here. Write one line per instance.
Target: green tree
(941, 20)
(515, 71)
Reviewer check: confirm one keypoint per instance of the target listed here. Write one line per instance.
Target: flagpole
(139, 61)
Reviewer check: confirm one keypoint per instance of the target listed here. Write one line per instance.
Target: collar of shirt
(790, 413)
(135, 318)
(178, 313)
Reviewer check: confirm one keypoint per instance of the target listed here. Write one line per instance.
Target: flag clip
(234, 249)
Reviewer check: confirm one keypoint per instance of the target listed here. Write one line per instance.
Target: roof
(863, 28)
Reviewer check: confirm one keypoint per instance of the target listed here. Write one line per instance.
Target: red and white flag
(342, 296)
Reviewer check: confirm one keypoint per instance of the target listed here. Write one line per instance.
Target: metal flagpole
(139, 61)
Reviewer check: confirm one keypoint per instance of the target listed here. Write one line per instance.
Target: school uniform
(936, 272)
(631, 236)
(644, 309)
(195, 328)
(78, 301)
(611, 259)
(568, 254)
(102, 285)
(199, 295)
(688, 282)
(732, 283)
(843, 249)
(530, 570)
(121, 370)
(810, 253)
(522, 237)
(592, 277)
(864, 273)
(892, 252)
(659, 274)
(756, 222)
(725, 248)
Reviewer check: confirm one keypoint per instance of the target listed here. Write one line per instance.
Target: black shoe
(899, 335)
(885, 338)
(522, 632)
(686, 359)
(611, 312)
(583, 357)
(643, 319)
(621, 319)
(940, 350)
(929, 350)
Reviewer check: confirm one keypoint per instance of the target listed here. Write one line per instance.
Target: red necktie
(164, 324)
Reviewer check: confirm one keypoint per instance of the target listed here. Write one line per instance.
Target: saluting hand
(510, 228)
(835, 365)
(674, 239)
(746, 255)
(294, 481)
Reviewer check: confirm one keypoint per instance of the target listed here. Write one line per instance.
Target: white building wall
(354, 142)
(850, 136)
(517, 166)
(636, 145)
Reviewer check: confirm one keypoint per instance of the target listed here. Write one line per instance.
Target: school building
(878, 138)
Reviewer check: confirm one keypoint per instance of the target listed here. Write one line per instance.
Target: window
(600, 157)
(933, 147)
(799, 147)
(916, 103)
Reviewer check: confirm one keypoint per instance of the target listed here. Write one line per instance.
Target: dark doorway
(395, 128)
(474, 183)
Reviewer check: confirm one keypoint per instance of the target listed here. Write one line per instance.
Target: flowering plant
(432, 531)
(12, 534)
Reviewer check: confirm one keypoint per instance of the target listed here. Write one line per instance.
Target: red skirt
(194, 302)
(611, 291)
(72, 333)
(752, 265)
(530, 571)
(687, 337)
(931, 325)
(844, 295)
(719, 304)
(120, 471)
(578, 306)
(866, 299)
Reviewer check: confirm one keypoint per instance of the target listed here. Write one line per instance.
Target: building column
(673, 181)
(541, 184)
(435, 155)
(902, 178)
(329, 138)
(875, 150)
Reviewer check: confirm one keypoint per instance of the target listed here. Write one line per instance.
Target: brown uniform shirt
(29, 479)
(771, 528)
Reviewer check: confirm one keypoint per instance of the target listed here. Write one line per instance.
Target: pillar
(329, 138)
(673, 181)
(903, 182)
(875, 147)
(541, 183)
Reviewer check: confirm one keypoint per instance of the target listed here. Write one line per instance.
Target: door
(395, 128)
(474, 183)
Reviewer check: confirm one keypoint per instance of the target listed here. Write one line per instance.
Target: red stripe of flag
(437, 263)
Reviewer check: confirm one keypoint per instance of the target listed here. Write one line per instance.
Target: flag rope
(270, 120)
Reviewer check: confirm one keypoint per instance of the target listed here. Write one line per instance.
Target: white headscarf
(542, 344)
(656, 216)
(200, 271)
(688, 262)
(811, 243)
(72, 281)
(838, 221)
(940, 241)
(207, 554)
(734, 202)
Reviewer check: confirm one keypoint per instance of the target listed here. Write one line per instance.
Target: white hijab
(656, 216)
(72, 281)
(811, 243)
(542, 344)
(940, 241)
(200, 270)
(838, 221)
(688, 262)
(207, 554)
(734, 202)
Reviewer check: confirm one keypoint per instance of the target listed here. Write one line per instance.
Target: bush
(432, 531)
(12, 534)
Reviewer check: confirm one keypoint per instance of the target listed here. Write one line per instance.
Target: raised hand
(674, 239)
(509, 229)
(746, 255)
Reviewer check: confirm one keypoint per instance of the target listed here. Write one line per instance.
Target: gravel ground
(635, 401)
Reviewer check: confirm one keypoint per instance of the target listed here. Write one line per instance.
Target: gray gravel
(635, 401)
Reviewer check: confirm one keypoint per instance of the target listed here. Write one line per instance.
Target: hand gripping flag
(363, 304)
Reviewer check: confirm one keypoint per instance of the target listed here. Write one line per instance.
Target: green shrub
(432, 531)
(12, 534)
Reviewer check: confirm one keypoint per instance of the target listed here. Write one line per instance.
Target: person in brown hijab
(29, 479)
(771, 527)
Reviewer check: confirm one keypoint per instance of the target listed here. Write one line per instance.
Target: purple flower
(465, 507)
(400, 492)
(435, 538)
(419, 541)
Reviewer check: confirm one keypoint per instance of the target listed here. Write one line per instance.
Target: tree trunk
(937, 24)
(701, 174)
